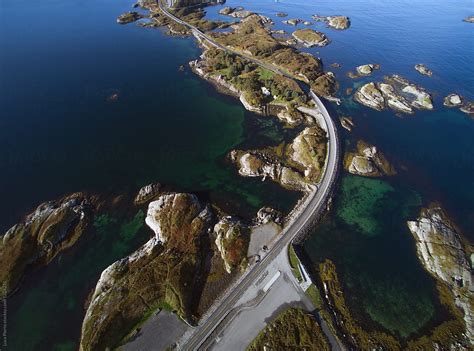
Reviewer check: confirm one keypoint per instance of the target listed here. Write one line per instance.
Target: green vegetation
(294, 329)
(315, 296)
(294, 261)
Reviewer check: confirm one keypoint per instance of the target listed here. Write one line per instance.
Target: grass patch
(294, 261)
(315, 296)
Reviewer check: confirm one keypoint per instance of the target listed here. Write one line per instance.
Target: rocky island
(335, 22)
(364, 70)
(422, 69)
(368, 161)
(396, 93)
(52, 228)
(310, 37)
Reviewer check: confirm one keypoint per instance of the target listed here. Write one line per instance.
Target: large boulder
(368, 161)
(53, 227)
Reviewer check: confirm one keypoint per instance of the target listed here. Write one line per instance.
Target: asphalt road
(315, 204)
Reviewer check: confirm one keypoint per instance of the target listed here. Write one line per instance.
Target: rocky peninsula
(52, 228)
(396, 93)
(444, 254)
(368, 161)
(296, 166)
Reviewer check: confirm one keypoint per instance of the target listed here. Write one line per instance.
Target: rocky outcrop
(232, 239)
(226, 10)
(370, 96)
(147, 193)
(396, 93)
(129, 17)
(296, 166)
(440, 250)
(364, 70)
(453, 100)
(468, 108)
(310, 38)
(368, 161)
(266, 215)
(469, 19)
(335, 22)
(164, 271)
(338, 22)
(282, 14)
(347, 123)
(53, 227)
(187, 3)
(422, 69)
(293, 21)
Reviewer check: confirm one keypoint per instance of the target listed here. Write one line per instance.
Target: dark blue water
(61, 60)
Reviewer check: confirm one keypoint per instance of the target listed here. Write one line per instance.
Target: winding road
(314, 205)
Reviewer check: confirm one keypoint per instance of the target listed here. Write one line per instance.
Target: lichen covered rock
(309, 37)
(440, 250)
(53, 227)
(232, 238)
(164, 271)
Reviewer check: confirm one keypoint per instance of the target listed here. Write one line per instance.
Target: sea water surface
(61, 60)
(90, 105)
(366, 233)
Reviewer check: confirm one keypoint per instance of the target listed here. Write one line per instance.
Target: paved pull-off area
(235, 308)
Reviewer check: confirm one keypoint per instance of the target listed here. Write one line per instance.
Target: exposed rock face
(310, 38)
(347, 123)
(453, 100)
(293, 21)
(397, 93)
(295, 166)
(267, 214)
(468, 108)
(226, 10)
(469, 19)
(335, 22)
(147, 193)
(338, 22)
(169, 211)
(368, 161)
(53, 227)
(440, 249)
(370, 96)
(364, 70)
(232, 238)
(155, 274)
(129, 17)
(241, 14)
(423, 69)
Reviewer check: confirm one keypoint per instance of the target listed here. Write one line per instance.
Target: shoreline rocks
(368, 161)
(440, 250)
(147, 193)
(53, 227)
(129, 17)
(293, 21)
(347, 123)
(232, 239)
